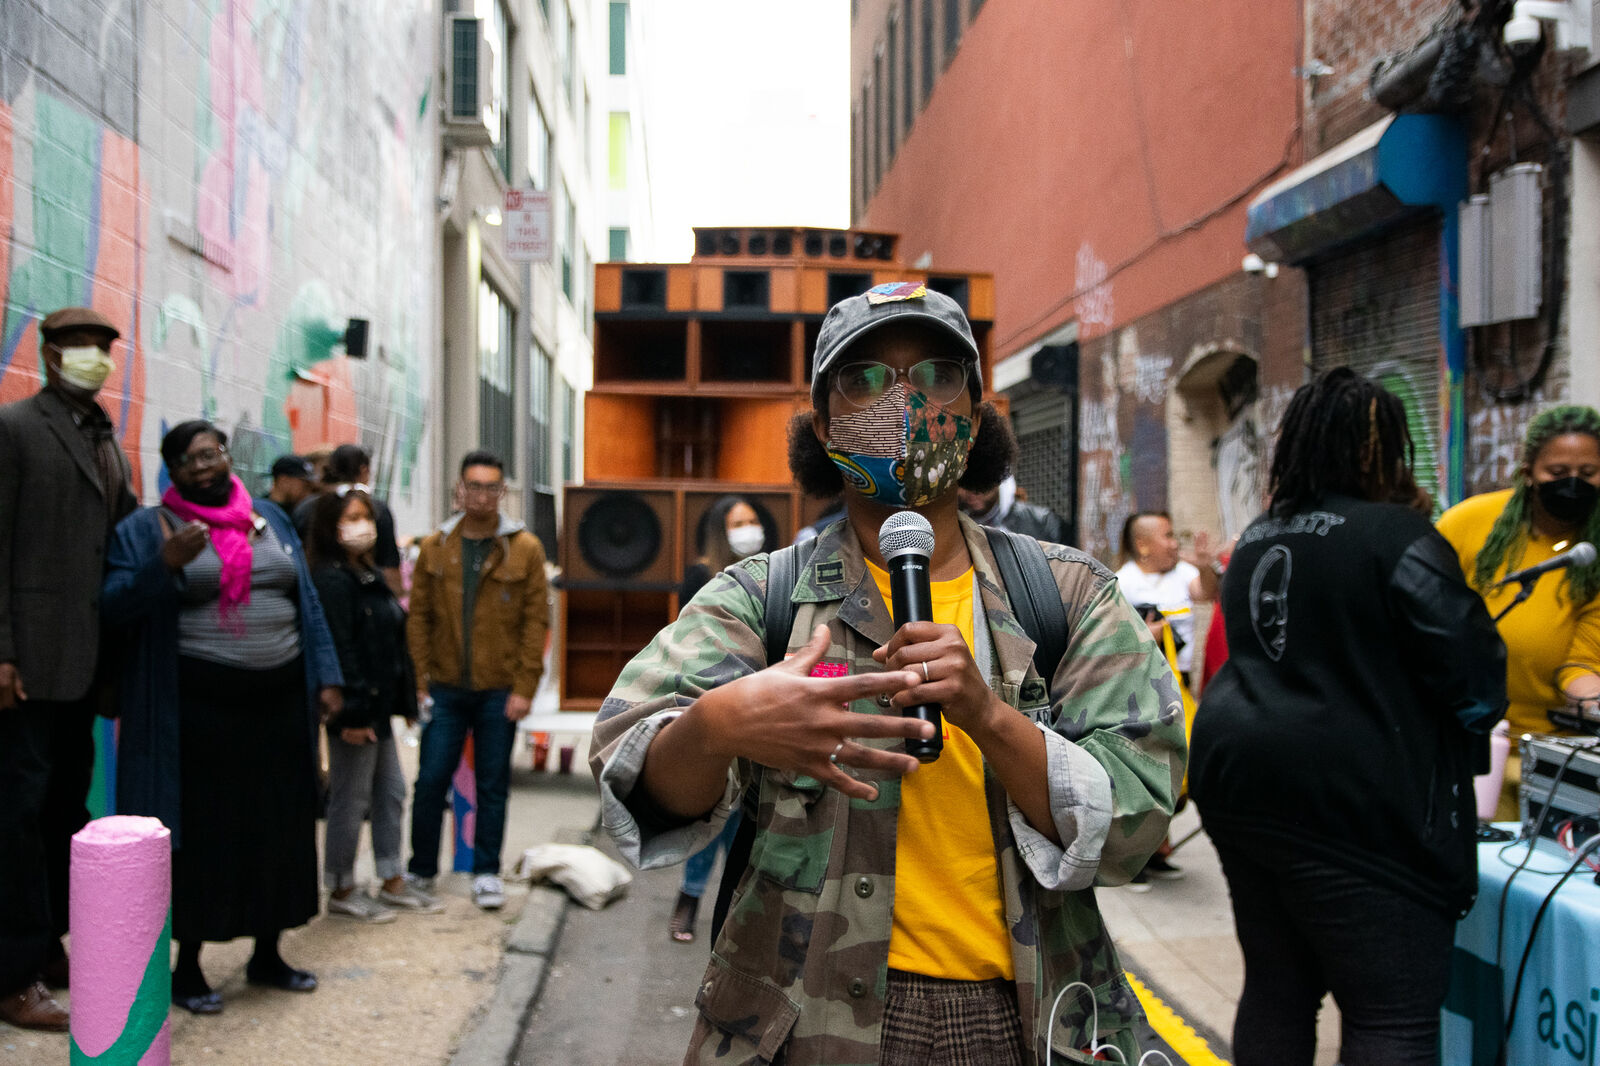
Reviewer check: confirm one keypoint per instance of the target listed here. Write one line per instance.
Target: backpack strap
(1026, 575)
(784, 568)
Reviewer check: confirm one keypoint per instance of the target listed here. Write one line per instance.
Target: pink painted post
(121, 928)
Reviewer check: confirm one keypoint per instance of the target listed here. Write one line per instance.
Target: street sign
(527, 225)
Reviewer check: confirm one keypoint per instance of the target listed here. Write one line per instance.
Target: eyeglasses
(483, 488)
(203, 457)
(940, 380)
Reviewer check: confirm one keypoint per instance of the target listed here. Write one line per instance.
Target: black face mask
(1568, 499)
(208, 495)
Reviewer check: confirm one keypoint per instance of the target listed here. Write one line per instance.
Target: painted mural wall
(230, 181)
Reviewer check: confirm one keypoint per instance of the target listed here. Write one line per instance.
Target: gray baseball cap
(895, 302)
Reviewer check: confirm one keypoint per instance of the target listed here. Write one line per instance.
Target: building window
(907, 71)
(879, 156)
(569, 56)
(927, 50)
(952, 28)
(858, 182)
(586, 124)
(497, 382)
(891, 114)
(619, 239)
(619, 38)
(619, 150)
(501, 30)
(538, 144)
(539, 415)
(569, 430)
(569, 231)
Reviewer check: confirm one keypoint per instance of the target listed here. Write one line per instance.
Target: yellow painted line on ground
(1174, 1030)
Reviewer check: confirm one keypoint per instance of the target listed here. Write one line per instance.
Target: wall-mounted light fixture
(355, 338)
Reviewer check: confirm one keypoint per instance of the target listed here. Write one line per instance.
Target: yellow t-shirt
(1548, 639)
(949, 913)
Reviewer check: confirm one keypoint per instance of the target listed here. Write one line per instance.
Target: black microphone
(1580, 554)
(906, 543)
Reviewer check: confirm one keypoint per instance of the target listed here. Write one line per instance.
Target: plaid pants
(931, 1021)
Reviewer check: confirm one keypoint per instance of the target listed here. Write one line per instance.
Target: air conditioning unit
(471, 115)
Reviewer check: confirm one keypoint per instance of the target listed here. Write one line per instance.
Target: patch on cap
(897, 290)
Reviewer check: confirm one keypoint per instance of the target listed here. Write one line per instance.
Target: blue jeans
(457, 712)
(697, 867)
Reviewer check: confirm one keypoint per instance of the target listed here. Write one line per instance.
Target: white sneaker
(362, 907)
(488, 892)
(411, 898)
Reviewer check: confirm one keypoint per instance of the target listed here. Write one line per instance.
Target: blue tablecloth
(1558, 1009)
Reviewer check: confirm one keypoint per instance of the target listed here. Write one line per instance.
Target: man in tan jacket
(479, 615)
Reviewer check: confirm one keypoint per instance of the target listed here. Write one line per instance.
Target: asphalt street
(619, 990)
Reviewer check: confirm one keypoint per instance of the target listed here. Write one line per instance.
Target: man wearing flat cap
(64, 483)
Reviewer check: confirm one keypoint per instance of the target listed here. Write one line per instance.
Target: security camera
(1521, 32)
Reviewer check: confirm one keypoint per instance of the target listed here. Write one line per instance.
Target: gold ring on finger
(925, 678)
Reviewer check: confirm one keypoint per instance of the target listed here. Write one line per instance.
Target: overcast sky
(749, 116)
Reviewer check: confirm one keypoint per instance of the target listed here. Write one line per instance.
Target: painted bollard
(121, 929)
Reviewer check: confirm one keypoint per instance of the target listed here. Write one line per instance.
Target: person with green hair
(1552, 638)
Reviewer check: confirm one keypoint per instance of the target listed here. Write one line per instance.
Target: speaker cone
(619, 535)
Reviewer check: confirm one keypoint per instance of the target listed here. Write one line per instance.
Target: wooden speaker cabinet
(624, 548)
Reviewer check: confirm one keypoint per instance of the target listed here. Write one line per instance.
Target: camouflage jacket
(799, 972)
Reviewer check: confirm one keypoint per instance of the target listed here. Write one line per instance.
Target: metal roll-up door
(1047, 452)
(1375, 309)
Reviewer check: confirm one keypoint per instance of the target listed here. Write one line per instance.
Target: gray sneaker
(488, 892)
(411, 898)
(362, 907)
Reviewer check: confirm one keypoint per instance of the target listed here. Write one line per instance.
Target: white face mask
(746, 540)
(86, 367)
(358, 535)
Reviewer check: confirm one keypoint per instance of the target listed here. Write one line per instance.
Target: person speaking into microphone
(892, 910)
(1553, 637)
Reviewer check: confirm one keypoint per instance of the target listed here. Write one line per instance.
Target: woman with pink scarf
(227, 667)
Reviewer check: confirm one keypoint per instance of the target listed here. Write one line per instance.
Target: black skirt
(248, 864)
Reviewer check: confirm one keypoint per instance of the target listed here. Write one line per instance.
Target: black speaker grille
(644, 288)
(746, 289)
(619, 535)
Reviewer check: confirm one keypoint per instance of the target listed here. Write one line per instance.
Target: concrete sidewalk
(409, 991)
(459, 987)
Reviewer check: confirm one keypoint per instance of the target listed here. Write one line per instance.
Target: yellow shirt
(949, 914)
(1549, 641)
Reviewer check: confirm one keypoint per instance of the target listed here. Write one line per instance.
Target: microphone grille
(1582, 553)
(905, 531)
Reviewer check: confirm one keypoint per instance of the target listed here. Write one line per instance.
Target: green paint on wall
(66, 148)
(305, 339)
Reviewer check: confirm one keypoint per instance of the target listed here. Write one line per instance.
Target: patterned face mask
(902, 451)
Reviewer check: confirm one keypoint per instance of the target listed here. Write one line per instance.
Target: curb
(497, 1033)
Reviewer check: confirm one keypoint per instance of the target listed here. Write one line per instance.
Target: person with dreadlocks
(1553, 637)
(1332, 753)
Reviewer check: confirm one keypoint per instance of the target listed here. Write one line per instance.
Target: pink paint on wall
(121, 890)
(321, 407)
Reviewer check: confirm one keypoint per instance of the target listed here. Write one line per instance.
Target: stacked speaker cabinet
(698, 369)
